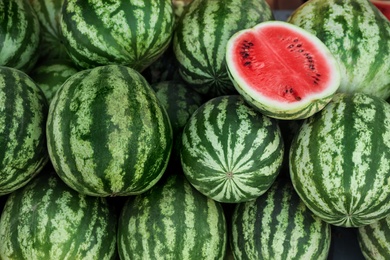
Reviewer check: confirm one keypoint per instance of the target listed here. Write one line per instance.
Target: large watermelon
(48, 220)
(339, 160)
(19, 34)
(358, 35)
(201, 35)
(23, 112)
(172, 221)
(278, 225)
(229, 151)
(107, 132)
(132, 33)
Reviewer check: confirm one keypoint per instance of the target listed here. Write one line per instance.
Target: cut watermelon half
(282, 70)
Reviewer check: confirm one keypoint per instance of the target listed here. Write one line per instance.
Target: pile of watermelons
(201, 129)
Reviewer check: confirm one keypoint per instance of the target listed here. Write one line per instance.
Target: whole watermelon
(48, 220)
(107, 132)
(131, 33)
(23, 113)
(339, 160)
(172, 221)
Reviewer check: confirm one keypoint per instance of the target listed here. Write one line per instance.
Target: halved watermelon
(282, 70)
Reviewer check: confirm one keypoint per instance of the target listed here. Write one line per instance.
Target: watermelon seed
(247, 63)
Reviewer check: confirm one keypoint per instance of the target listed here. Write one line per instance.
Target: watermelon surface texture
(107, 132)
(339, 160)
(48, 220)
(282, 70)
(278, 225)
(19, 35)
(358, 35)
(201, 35)
(23, 113)
(131, 33)
(374, 239)
(172, 221)
(48, 13)
(229, 151)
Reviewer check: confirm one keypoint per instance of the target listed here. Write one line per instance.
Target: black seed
(296, 40)
(247, 63)
(299, 45)
(315, 82)
(290, 46)
(300, 50)
(297, 98)
(318, 75)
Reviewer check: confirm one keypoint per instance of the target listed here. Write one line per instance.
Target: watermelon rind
(107, 132)
(301, 109)
(339, 160)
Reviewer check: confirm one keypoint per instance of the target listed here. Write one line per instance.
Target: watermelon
(107, 132)
(172, 221)
(48, 13)
(262, 62)
(278, 225)
(48, 220)
(374, 239)
(131, 33)
(383, 6)
(19, 35)
(339, 160)
(200, 39)
(23, 113)
(51, 74)
(358, 35)
(229, 151)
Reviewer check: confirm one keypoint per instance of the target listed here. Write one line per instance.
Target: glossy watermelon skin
(48, 13)
(23, 113)
(48, 220)
(19, 35)
(278, 225)
(172, 221)
(131, 33)
(374, 239)
(358, 35)
(339, 160)
(108, 135)
(229, 151)
(200, 39)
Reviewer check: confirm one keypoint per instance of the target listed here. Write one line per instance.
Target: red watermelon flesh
(280, 64)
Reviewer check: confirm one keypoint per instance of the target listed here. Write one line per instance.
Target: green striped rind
(107, 132)
(339, 160)
(50, 75)
(278, 225)
(48, 220)
(201, 35)
(374, 239)
(48, 13)
(172, 221)
(19, 35)
(229, 151)
(132, 33)
(359, 37)
(23, 112)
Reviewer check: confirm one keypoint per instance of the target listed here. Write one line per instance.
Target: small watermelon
(282, 70)
(231, 152)
(278, 225)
